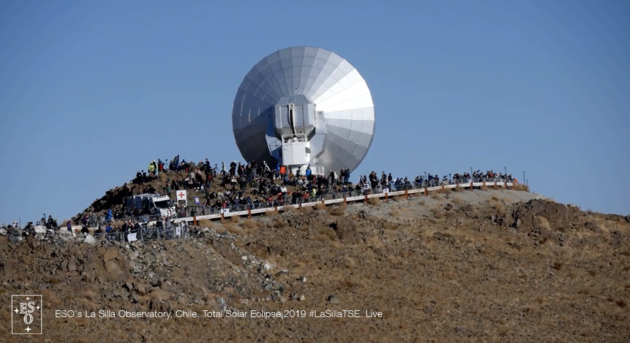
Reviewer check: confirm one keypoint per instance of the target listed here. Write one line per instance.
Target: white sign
(225, 210)
(197, 200)
(181, 195)
(178, 231)
(385, 190)
(132, 237)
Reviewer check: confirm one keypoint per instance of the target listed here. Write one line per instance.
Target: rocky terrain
(482, 266)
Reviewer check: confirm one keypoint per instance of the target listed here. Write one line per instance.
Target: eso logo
(26, 314)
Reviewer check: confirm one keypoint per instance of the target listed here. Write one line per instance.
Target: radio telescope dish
(304, 106)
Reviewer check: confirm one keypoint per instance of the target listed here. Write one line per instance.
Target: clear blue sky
(92, 91)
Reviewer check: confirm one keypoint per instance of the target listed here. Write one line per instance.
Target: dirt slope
(470, 267)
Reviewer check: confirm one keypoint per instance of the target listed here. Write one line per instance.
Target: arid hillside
(482, 266)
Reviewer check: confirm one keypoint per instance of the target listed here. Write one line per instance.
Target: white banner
(178, 231)
(132, 237)
(385, 190)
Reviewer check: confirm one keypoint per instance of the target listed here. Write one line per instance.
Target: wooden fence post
(195, 220)
(495, 184)
(222, 217)
(249, 213)
(365, 200)
(471, 185)
(426, 192)
(406, 194)
(484, 185)
(344, 200)
(386, 200)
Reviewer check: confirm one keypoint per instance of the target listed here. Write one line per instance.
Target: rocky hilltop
(482, 266)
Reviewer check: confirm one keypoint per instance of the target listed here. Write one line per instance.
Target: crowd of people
(163, 228)
(255, 185)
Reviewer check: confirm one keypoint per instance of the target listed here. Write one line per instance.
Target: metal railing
(201, 210)
(350, 196)
(144, 234)
(191, 211)
(150, 231)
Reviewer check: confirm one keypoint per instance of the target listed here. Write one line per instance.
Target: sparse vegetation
(499, 207)
(204, 223)
(232, 228)
(398, 198)
(326, 234)
(280, 222)
(435, 196)
(521, 187)
(250, 224)
(374, 201)
(437, 213)
(542, 222)
(319, 207)
(274, 213)
(337, 210)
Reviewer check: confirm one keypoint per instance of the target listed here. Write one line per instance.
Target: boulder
(110, 254)
(72, 266)
(347, 230)
(89, 239)
(15, 238)
(333, 299)
(529, 213)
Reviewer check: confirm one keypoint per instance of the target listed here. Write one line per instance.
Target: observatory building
(304, 106)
